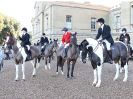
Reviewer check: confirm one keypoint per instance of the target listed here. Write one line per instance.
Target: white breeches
(28, 47)
(107, 44)
(65, 45)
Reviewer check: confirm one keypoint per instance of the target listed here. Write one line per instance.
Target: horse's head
(83, 48)
(9, 42)
(73, 39)
(55, 43)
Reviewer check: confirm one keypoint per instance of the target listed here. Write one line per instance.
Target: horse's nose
(84, 61)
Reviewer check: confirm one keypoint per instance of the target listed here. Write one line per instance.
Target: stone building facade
(51, 17)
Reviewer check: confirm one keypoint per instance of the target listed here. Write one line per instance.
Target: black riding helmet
(101, 20)
(43, 34)
(24, 29)
(65, 29)
(124, 29)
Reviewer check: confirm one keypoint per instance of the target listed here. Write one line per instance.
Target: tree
(8, 24)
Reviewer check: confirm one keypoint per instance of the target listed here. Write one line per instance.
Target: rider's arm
(99, 34)
(47, 40)
(129, 37)
(63, 39)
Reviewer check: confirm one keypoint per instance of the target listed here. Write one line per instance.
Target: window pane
(68, 21)
(93, 23)
(68, 18)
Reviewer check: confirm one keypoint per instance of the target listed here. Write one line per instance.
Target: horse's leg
(17, 70)
(58, 60)
(117, 71)
(62, 64)
(0, 66)
(73, 65)
(68, 68)
(49, 65)
(38, 62)
(126, 72)
(62, 70)
(99, 72)
(34, 68)
(95, 77)
(45, 63)
(23, 70)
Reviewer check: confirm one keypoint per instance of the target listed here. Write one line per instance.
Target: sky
(23, 10)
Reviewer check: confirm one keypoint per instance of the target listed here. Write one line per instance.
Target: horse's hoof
(45, 67)
(72, 76)
(114, 79)
(124, 80)
(97, 86)
(16, 79)
(57, 73)
(68, 76)
(62, 73)
(33, 75)
(94, 84)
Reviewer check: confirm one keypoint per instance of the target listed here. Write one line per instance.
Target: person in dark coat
(44, 41)
(105, 32)
(25, 42)
(124, 35)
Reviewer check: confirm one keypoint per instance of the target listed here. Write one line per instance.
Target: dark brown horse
(72, 56)
(20, 56)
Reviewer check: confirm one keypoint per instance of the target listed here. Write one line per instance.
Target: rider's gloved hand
(101, 40)
(19, 38)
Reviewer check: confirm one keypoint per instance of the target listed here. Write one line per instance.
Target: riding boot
(28, 52)
(110, 56)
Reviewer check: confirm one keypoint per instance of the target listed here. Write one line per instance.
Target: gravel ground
(48, 85)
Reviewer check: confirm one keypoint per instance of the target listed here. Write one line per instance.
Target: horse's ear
(90, 49)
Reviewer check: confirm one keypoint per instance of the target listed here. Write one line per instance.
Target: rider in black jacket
(25, 42)
(105, 32)
(124, 35)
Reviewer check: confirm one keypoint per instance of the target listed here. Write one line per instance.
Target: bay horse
(48, 53)
(72, 55)
(95, 50)
(20, 56)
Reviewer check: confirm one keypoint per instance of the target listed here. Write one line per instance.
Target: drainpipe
(42, 22)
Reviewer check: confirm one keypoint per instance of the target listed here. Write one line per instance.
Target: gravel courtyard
(48, 85)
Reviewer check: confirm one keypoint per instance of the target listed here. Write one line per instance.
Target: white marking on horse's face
(99, 52)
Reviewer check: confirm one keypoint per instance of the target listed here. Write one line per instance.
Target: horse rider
(124, 35)
(65, 40)
(44, 41)
(25, 42)
(50, 41)
(105, 33)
